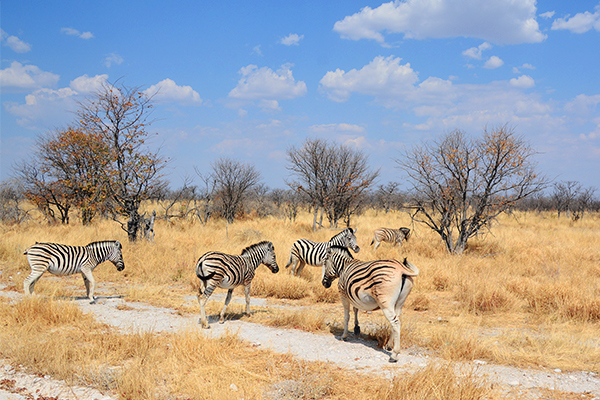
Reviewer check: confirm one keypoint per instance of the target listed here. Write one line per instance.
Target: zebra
(371, 285)
(226, 271)
(395, 236)
(60, 259)
(306, 251)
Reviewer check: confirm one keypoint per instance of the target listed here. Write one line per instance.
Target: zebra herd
(364, 285)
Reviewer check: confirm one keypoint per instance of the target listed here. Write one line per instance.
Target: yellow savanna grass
(532, 276)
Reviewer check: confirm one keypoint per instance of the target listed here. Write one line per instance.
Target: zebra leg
(90, 285)
(247, 293)
(301, 265)
(227, 300)
(29, 282)
(377, 243)
(394, 320)
(346, 304)
(356, 327)
(202, 300)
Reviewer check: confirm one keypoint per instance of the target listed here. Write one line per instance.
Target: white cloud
(579, 23)
(499, 21)
(517, 70)
(523, 82)
(382, 75)
(75, 32)
(493, 63)
(475, 52)
(84, 84)
(266, 84)
(15, 44)
(292, 39)
(44, 108)
(343, 127)
(113, 58)
(548, 14)
(167, 91)
(256, 50)
(26, 77)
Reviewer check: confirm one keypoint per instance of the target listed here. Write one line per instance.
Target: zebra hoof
(93, 301)
(345, 339)
(357, 330)
(221, 321)
(393, 360)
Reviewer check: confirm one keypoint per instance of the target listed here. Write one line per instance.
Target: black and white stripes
(306, 251)
(60, 259)
(227, 271)
(394, 236)
(371, 285)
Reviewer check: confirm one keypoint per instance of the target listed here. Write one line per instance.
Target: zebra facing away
(306, 251)
(395, 236)
(60, 259)
(226, 271)
(371, 285)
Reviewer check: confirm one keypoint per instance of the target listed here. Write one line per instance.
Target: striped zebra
(306, 251)
(371, 285)
(226, 271)
(60, 259)
(395, 236)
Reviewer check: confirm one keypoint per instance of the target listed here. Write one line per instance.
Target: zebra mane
(101, 242)
(341, 233)
(343, 250)
(254, 246)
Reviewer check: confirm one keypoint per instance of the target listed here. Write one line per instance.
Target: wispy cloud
(580, 22)
(75, 32)
(475, 52)
(292, 39)
(14, 43)
(113, 58)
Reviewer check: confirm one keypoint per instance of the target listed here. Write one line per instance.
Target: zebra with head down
(305, 251)
(394, 236)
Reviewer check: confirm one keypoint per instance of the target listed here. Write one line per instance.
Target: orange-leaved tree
(462, 184)
(119, 116)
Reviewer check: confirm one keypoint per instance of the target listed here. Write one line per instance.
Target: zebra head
(350, 238)
(406, 232)
(269, 258)
(266, 251)
(335, 260)
(116, 257)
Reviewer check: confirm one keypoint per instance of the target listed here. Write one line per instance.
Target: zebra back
(234, 270)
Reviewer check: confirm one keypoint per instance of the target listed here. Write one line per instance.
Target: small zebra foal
(305, 251)
(394, 236)
(60, 259)
(371, 285)
(226, 271)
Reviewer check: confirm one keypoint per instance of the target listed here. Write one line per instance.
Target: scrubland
(526, 293)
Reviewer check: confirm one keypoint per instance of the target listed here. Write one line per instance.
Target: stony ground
(356, 354)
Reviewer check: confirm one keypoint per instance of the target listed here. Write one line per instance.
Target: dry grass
(525, 294)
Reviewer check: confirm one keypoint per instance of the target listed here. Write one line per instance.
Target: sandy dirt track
(356, 354)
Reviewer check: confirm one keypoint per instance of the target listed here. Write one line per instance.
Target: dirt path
(357, 354)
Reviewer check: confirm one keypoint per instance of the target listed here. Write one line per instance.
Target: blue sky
(247, 80)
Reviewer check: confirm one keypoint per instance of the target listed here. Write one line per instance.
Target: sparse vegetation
(525, 296)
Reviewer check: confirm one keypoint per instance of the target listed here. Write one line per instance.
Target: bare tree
(463, 184)
(334, 177)
(12, 198)
(565, 196)
(233, 180)
(120, 115)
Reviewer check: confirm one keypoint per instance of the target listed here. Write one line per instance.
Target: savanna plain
(525, 293)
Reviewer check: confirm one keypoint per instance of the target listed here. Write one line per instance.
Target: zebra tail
(204, 278)
(411, 266)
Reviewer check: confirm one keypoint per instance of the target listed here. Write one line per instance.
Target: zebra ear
(118, 244)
